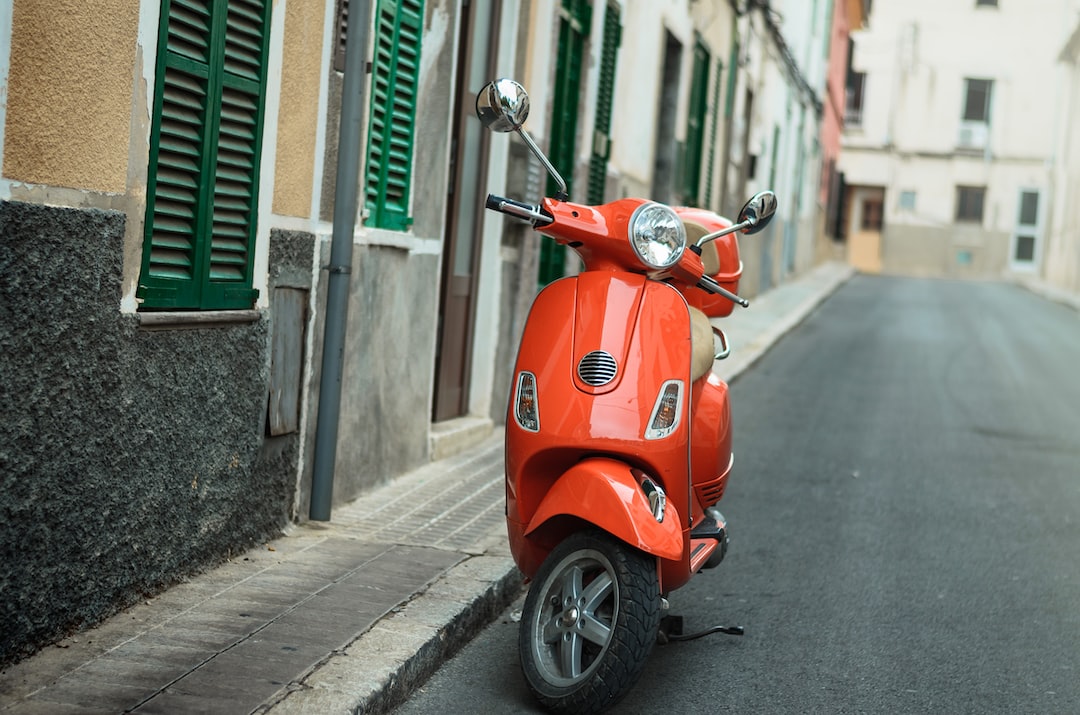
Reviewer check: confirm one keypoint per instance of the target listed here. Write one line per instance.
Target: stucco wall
(393, 309)
(298, 113)
(129, 457)
(68, 122)
(954, 252)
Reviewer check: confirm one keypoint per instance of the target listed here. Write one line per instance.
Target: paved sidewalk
(342, 617)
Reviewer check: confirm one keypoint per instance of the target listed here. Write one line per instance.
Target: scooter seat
(710, 257)
(702, 348)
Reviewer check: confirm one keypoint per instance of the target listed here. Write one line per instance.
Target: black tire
(589, 623)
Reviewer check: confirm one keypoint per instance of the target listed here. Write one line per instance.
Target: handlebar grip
(494, 203)
(518, 209)
(707, 283)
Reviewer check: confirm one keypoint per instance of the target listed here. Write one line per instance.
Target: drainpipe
(337, 294)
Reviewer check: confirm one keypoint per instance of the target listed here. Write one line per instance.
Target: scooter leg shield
(606, 494)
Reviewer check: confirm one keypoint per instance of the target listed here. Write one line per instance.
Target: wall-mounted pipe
(346, 200)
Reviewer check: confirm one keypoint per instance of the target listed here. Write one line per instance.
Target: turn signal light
(665, 414)
(526, 411)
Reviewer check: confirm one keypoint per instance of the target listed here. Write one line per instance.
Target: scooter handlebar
(529, 212)
(707, 283)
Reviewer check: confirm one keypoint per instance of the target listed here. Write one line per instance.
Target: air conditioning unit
(973, 135)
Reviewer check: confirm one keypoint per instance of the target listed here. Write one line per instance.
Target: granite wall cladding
(129, 458)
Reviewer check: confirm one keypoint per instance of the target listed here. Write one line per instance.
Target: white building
(1061, 267)
(950, 134)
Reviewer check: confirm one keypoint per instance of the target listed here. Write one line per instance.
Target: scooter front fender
(605, 493)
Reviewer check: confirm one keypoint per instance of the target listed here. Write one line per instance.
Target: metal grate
(597, 368)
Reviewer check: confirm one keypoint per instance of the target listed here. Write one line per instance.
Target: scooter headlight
(657, 235)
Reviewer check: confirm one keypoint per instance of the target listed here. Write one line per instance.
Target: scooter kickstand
(671, 630)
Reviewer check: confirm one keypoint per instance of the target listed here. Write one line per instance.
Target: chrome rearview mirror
(503, 105)
(754, 216)
(758, 211)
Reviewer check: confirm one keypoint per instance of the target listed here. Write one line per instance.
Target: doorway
(866, 211)
(663, 187)
(468, 175)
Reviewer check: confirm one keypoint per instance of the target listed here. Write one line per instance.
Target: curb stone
(414, 641)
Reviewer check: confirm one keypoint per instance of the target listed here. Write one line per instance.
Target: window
(394, 84)
(872, 218)
(986, 3)
(969, 203)
(205, 146)
(1029, 208)
(907, 200)
(977, 100)
(853, 106)
(974, 133)
(1027, 228)
(855, 88)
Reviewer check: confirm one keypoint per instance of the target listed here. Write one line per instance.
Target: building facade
(847, 15)
(950, 136)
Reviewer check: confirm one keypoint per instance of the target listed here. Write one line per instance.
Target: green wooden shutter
(695, 129)
(395, 75)
(574, 24)
(202, 188)
(601, 149)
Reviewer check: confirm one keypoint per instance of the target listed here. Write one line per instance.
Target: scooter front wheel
(589, 622)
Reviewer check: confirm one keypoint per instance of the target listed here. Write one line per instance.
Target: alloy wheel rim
(574, 626)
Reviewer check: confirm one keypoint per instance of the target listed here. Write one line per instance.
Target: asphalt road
(905, 516)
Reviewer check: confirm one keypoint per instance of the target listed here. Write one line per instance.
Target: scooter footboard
(605, 493)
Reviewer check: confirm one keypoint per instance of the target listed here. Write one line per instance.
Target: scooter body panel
(645, 326)
(605, 492)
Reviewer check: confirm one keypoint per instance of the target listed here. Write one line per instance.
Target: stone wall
(129, 457)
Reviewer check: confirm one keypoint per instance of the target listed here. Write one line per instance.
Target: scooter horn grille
(597, 368)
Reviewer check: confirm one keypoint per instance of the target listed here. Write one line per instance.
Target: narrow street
(905, 520)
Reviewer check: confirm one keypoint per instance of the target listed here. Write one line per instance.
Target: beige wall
(954, 252)
(70, 93)
(294, 163)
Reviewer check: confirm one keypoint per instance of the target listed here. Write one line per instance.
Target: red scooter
(618, 434)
